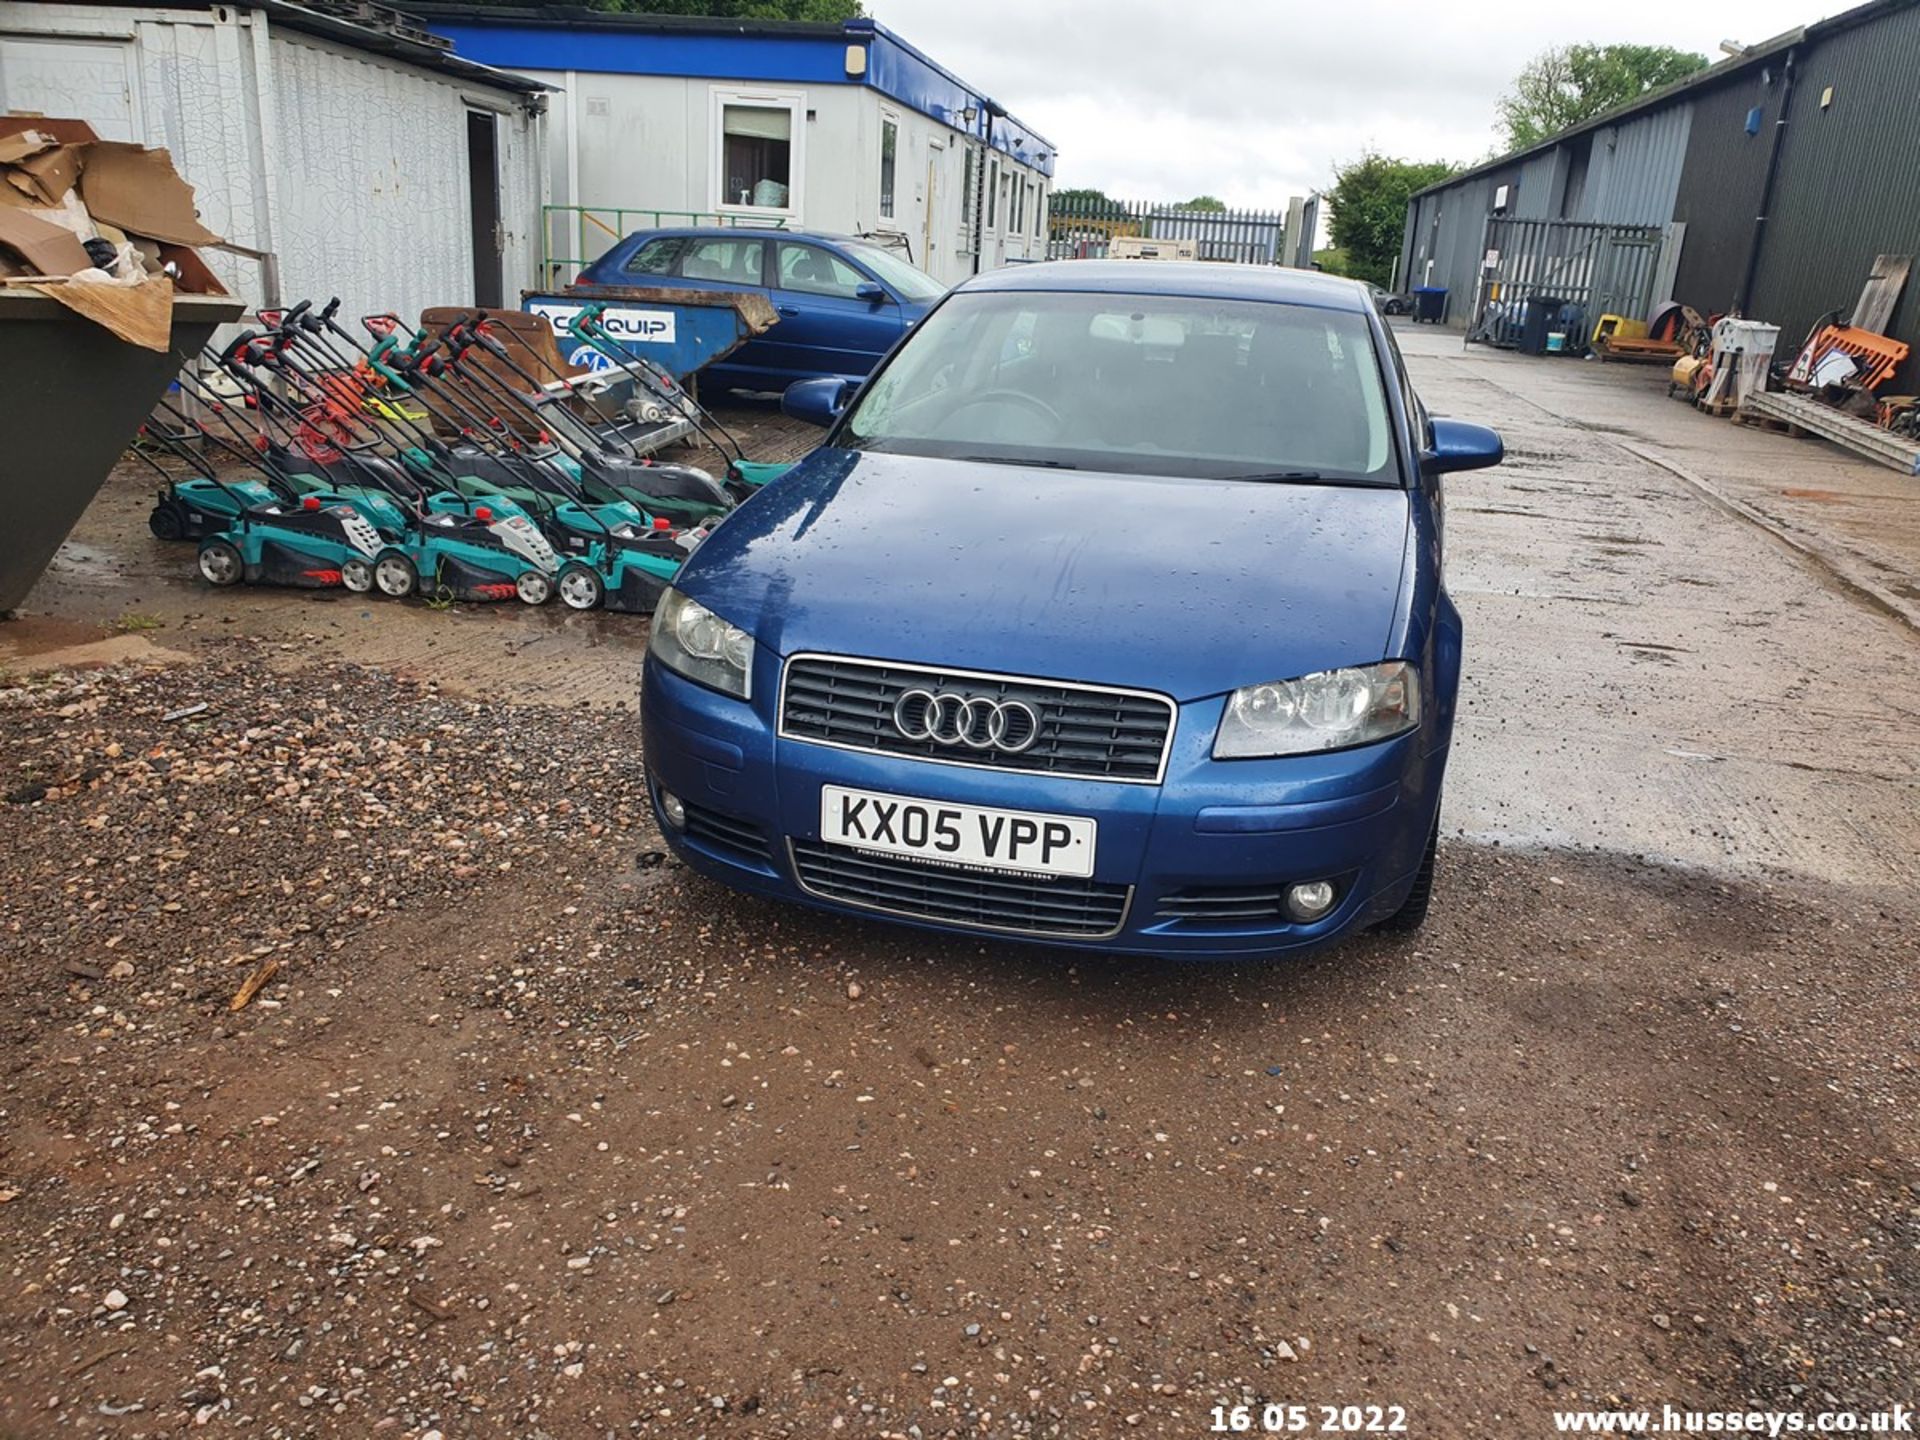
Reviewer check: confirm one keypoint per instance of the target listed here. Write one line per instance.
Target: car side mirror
(1458, 445)
(817, 402)
(872, 293)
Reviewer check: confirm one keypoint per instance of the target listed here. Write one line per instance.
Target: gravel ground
(527, 1132)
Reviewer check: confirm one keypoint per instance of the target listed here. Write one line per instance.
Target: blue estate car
(1109, 614)
(841, 302)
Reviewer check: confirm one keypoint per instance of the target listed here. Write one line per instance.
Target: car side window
(813, 271)
(657, 257)
(731, 261)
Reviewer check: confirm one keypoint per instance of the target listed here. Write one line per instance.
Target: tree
(1203, 202)
(1334, 261)
(1368, 209)
(1083, 203)
(1564, 86)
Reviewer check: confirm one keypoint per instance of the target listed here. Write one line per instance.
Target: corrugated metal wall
(1720, 189)
(1448, 230)
(198, 98)
(1623, 174)
(357, 181)
(1539, 178)
(1633, 169)
(373, 199)
(1844, 193)
(1846, 190)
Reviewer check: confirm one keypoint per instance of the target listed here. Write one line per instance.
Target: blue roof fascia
(531, 45)
(897, 68)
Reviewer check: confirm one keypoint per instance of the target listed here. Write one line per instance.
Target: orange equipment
(1875, 356)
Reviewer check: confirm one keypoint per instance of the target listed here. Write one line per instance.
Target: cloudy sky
(1256, 100)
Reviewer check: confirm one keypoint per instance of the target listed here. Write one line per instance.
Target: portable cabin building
(848, 128)
(355, 157)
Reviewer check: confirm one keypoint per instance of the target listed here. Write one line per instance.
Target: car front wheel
(1413, 910)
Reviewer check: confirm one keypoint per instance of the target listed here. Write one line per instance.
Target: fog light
(675, 812)
(1310, 901)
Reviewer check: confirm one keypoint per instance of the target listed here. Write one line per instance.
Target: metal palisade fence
(1084, 227)
(1579, 265)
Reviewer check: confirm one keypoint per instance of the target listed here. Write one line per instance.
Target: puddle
(91, 563)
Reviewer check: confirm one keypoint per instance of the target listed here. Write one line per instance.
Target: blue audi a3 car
(1109, 614)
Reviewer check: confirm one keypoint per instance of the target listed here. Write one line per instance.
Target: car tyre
(1413, 910)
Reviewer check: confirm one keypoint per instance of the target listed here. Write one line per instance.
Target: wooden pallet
(1771, 425)
(1644, 352)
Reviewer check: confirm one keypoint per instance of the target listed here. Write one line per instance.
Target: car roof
(1180, 277)
(745, 231)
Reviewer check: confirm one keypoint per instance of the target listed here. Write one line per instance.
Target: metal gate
(1083, 226)
(1586, 266)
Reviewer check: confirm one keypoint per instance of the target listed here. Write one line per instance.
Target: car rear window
(658, 257)
(1142, 383)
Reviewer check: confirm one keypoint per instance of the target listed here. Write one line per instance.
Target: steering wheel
(1019, 397)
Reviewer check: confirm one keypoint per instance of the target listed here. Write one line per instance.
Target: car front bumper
(1190, 867)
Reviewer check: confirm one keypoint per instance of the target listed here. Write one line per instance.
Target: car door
(827, 326)
(735, 261)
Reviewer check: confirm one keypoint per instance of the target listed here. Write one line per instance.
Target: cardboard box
(47, 249)
(138, 190)
(127, 187)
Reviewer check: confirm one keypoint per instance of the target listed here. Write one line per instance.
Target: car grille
(726, 834)
(1084, 732)
(1238, 906)
(1031, 905)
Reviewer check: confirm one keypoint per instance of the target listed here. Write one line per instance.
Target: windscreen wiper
(1010, 460)
(1277, 475)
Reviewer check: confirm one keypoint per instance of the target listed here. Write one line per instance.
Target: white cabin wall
(350, 166)
(644, 143)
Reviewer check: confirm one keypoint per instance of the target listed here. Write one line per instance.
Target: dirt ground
(529, 1132)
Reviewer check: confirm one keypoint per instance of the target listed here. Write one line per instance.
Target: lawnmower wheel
(534, 587)
(166, 524)
(356, 575)
(396, 575)
(581, 588)
(220, 562)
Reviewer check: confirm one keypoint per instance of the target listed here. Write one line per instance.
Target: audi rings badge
(978, 722)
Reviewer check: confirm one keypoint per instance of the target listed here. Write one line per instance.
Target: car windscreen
(1154, 384)
(904, 279)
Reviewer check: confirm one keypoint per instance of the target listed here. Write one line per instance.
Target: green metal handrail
(642, 218)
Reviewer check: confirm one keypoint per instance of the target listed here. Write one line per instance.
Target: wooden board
(1881, 292)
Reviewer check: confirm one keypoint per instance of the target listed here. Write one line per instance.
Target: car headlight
(1328, 711)
(691, 640)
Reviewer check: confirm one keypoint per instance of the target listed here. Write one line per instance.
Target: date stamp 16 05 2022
(1274, 1418)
